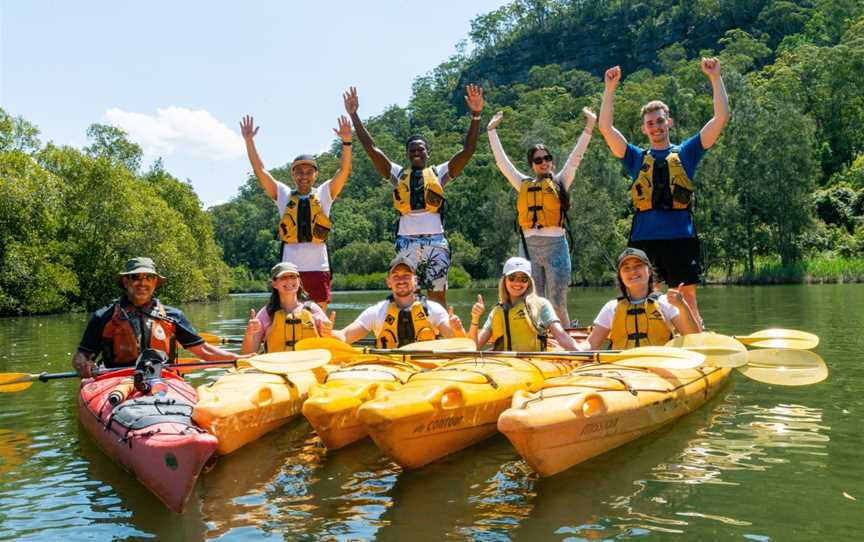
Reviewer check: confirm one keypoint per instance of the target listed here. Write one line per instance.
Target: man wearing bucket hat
(118, 332)
(404, 317)
(641, 316)
(522, 321)
(304, 211)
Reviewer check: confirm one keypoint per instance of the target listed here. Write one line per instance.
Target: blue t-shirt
(91, 342)
(659, 223)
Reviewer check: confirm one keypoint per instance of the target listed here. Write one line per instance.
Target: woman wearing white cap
(521, 321)
(288, 317)
(641, 316)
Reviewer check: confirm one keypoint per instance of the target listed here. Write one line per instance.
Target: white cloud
(179, 130)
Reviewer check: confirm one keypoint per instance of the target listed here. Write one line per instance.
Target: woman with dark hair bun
(542, 210)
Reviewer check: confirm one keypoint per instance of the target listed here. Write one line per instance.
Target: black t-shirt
(91, 342)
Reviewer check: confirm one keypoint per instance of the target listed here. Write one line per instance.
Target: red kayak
(150, 434)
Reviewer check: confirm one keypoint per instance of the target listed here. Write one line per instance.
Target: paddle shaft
(589, 354)
(45, 377)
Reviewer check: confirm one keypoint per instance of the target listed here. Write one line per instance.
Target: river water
(758, 462)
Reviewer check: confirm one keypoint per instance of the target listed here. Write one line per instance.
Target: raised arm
(249, 131)
(505, 166)
(712, 129)
(572, 164)
(338, 182)
(685, 323)
(615, 139)
(379, 159)
(474, 99)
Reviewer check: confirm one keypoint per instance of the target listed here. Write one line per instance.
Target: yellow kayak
(245, 403)
(444, 410)
(599, 407)
(332, 405)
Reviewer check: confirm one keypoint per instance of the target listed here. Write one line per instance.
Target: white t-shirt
(607, 313)
(306, 256)
(515, 177)
(420, 221)
(372, 319)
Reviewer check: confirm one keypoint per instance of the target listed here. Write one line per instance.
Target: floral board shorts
(430, 255)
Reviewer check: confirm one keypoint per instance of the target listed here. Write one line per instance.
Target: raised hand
(478, 309)
(253, 327)
(474, 98)
(344, 130)
(711, 66)
(496, 120)
(612, 77)
(327, 325)
(675, 298)
(352, 102)
(247, 128)
(590, 117)
(455, 323)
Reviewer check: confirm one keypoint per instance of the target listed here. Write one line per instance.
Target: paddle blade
(785, 367)
(662, 357)
(14, 382)
(458, 344)
(339, 351)
(780, 338)
(719, 350)
(288, 362)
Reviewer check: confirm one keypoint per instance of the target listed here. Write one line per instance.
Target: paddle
(216, 339)
(785, 367)
(342, 352)
(780, 338)
(275, 363)
(719, 350)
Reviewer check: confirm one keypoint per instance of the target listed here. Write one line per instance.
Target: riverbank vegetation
(780, 197)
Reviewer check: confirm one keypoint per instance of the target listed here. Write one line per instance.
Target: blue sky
(178, 76)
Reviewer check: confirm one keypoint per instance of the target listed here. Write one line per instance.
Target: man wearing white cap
(305, 211)
(522, 320)
(404, 317)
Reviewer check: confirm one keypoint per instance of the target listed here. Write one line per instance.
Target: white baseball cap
(517, 265)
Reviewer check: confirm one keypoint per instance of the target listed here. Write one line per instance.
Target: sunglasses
(518, 278)
(540, 159)
(142, 276)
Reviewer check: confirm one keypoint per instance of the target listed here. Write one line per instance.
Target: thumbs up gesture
(327, 325)
(477, 310)
(254, 326)
(455, 323)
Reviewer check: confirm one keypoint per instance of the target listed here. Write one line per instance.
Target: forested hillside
(780, 197)
(783, 189)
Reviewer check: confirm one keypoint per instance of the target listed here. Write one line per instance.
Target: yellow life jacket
(310, 225)
(540, 204)
(513, 329)
(662, 184)
(405, 326)
(288, 328)
(430, 196)
(638, 325)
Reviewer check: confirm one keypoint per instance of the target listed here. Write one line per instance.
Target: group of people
(531, 313)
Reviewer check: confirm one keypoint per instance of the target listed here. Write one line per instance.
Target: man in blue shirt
(663, 181)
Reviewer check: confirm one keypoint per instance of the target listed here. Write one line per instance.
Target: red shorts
(317, 285)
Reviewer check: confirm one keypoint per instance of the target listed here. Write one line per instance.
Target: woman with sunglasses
(641, 316)
(521, 321)
(288, 317)
(542, 210)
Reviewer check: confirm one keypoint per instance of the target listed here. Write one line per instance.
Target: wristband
(477, 323)
(346, 143)
(475, 117)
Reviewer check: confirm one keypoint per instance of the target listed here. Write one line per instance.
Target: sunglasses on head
(540, 159)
